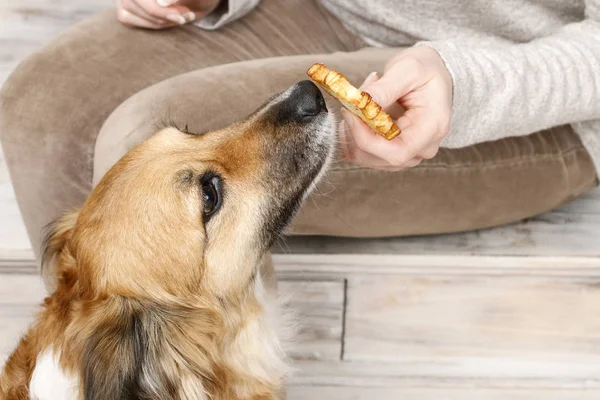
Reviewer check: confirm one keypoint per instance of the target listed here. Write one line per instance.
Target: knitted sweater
(518, 66)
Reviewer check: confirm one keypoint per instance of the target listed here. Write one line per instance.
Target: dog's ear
(57, 233)
(125, 357)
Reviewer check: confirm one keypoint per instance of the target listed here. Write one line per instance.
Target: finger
(135, 9)
(414, 138)
(354, 154)
(405, 148)
(417, 139)
(399, 78)
(412, 163)
(395, 109)
(372, 77)
(360, 136)
(176, 13)
(370, 142)
(408, 164)
(129, 19)
(431, 151)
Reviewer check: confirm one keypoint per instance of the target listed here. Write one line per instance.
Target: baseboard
(348, 264)
(18, 266)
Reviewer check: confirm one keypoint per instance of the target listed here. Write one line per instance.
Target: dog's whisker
(316, 204)
(281, 242)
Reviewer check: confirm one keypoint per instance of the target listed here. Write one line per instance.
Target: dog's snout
(306, 100)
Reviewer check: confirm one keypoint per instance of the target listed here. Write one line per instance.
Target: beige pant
(77, 105)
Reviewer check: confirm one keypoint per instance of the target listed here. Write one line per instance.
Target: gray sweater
(518, 66)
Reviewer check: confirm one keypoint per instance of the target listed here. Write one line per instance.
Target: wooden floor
(505, 313)
(419, 327)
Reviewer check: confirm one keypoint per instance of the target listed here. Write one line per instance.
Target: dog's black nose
(306, 100)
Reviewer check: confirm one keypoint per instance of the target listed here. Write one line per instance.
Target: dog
(164, 286)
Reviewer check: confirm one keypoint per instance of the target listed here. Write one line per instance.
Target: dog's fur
(153, 300)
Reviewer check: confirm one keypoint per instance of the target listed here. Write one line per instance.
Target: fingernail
(166, 3)
(179, 19)
(372, 77)
(190, 16)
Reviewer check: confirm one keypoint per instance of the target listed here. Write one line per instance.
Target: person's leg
(55, 102)
(480, 186)
(476, 187)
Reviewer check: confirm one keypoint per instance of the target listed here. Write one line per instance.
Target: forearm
(523, 88)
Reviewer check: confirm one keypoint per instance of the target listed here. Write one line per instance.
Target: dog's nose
(306, 100)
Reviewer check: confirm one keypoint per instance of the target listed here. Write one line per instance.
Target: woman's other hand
(160, 14)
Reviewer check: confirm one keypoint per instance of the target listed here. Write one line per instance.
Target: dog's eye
(211, 195)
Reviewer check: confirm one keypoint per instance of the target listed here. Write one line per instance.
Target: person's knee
(42, 88)
(201, 101)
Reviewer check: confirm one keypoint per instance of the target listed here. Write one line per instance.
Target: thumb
(372, 77)
(400, 78)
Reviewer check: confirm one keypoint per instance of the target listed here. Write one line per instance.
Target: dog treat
(356, 101)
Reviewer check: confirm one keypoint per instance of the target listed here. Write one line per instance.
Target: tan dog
(160, 293)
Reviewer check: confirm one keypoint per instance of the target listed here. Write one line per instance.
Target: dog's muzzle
(301, 103)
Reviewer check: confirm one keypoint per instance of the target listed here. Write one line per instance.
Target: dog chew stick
(356, 101)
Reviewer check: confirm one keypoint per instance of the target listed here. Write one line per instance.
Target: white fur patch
(50, 382)
(257, 350)
(192, 389)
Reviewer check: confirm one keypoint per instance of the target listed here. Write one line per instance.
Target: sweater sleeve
(227, 11)
(518, 89)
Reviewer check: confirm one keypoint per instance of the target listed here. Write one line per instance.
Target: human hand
(160, 14)
(418, 81)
